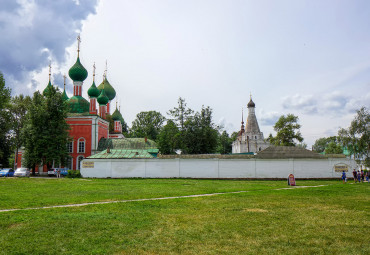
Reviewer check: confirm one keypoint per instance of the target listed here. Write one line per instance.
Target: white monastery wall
(214, 168)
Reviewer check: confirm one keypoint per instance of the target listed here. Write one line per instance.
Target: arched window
(70, 147)
(79, 159)
(259, 149)
(255, 137)
(81, 145)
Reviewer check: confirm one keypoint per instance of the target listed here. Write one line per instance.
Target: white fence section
(214, 168)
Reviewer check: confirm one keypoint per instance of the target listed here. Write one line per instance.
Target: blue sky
(309, 58)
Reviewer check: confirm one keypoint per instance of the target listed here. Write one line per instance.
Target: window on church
(70, 147)
(69, 163)
(255, 137)
(81, 145)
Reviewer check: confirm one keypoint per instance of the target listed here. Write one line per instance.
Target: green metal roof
(116, 115)
(103, 99)
(126, 143)
(118, 153)
(64, 96)
(47, 89)
(109, 90)
(78, 104)
(93, 91)
(77, 72)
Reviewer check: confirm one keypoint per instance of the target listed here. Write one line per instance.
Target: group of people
(358, 176)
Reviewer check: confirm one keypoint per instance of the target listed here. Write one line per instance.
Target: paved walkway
(147, 199)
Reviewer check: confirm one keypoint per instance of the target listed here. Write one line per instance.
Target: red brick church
(87, 122)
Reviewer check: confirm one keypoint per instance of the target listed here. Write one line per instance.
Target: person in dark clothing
(354, 173)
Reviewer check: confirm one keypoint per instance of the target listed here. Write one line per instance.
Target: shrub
(74, 174)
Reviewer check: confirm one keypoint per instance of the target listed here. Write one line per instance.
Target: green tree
(181, 113)
(200, 134)
(46, 130)
(287, 131)
(18, 108)
(224, 143)
(5, 123)
(333, 148)
(147, 124)
(322, 143)
(357, 137)
(168, 138)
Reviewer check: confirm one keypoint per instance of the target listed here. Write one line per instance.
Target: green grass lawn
(332, 219)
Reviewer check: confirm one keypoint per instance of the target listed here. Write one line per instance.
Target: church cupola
(93, 93)
(102, 100)
(77, 72)
(49, 86)
(64, 95)
(109, 90)
(116, 116)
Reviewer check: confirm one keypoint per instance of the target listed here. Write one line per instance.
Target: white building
(250, 139)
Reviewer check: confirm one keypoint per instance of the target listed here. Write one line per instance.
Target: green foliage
(168, 138)
(74, 174)
(322, 143)
(287, 131)
(200, 135)
(147, 124)
(181, 114)
(224, 143)
(5, 123)
(19, 107)
(333, 148)
(357, 137)
(46, 130)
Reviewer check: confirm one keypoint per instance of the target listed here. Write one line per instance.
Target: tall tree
(200, 133)
(333, 148)
(5, 123)
(147, 124)
(168, 138)
(322, 143)
(224, 143)
(19, 107)
(357, 137)
(287, 131)
(181, 113)
(46, 130)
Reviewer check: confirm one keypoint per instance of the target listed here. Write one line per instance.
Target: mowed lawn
(331, 219)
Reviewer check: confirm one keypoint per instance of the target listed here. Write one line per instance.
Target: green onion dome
(102, 98)
(93, 91)
(78, 104)
(47, 89)
(109, 90)
(78, 72)
(64, 96)
(116, 115)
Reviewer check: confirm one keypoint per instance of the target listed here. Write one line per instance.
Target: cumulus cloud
(335, 103)
(268, 118)
(305, 103)
(35, 31)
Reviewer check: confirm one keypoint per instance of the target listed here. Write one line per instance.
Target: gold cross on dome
(78, 44)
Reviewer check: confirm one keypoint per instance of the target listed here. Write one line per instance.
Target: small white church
(251, 138)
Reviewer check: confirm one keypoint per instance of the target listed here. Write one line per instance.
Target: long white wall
(213, 168)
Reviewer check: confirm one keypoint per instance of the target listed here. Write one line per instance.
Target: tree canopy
(147, 124)
(287, 131)
(5, 123)
(46, 130)
(356, 138)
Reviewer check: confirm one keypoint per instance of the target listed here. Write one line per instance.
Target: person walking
(58, 173)
(354, 173)
(344, 177)
(358, 176)
(362, 176)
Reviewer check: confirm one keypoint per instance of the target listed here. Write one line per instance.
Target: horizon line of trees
(38, 123)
